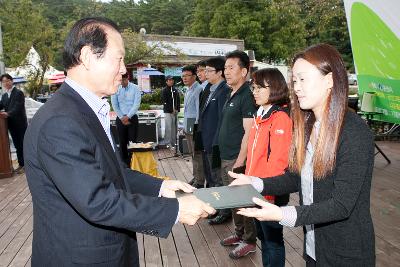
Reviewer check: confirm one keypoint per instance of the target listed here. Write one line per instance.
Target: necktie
(5, 99)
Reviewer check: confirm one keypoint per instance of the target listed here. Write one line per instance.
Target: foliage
(164, 16)
(136, 49)
(326, 22)
(274, 29)
(23, 27)
(154, 98)
(144, 106)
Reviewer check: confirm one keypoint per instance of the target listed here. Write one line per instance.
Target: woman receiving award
(331, 160)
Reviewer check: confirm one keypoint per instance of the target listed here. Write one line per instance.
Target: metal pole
(2, 67)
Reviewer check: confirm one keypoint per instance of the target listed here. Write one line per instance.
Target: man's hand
(170, 186)
(125, 120)
(191, 209)
(240, 179)
(3, 114)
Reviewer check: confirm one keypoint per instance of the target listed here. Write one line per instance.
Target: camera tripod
(177, 154)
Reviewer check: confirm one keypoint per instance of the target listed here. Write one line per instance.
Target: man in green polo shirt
(237, 119)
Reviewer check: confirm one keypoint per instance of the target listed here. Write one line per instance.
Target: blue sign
(174, 71)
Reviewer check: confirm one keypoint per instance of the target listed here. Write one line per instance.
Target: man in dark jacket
(13, 103)
(87, 206)
(236, 122)
(199, 173)
(171, 102)
(211, 115)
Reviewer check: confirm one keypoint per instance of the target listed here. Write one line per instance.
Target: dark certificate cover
(226, 197)
(190, 125)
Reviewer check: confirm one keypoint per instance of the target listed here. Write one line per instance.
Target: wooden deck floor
(199, 245)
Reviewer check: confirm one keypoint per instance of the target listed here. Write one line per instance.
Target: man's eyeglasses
(5, 81)
(256, 89)
(186, 76)
(210, 70)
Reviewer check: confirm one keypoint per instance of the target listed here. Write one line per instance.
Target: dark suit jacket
(86, 205)
(198, 143)
(344, 233)
(211, 115)
(15, 107)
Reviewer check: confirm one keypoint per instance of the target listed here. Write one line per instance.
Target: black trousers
(17, 133)
(127, 133)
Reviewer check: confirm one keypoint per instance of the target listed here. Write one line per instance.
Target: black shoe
(19, 170)
(219, 219)
(212, 216)
(198, 186)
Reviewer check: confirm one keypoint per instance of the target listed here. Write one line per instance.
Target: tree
(284, 29)
(124, 13)
(136, 49)
(272, 28)
(326, 23)
(163, 16)
(25, 27)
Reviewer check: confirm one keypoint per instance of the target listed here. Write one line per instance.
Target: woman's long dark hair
(327, 60)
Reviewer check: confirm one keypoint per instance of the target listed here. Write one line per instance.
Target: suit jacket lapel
(214, 94)
(4, 101)
(10, 98)
(91, 119)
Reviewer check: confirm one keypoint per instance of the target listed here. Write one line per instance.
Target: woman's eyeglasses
(256, 89)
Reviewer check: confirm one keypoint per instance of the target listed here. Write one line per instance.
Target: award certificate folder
(226, 197)
(190, 125)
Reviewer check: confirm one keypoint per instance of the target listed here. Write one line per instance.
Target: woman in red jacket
(268, 150)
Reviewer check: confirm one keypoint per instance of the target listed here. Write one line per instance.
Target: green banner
(376, 51)
(387, 96)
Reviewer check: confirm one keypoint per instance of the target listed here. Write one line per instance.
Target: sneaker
(242, 250)
(231, 240)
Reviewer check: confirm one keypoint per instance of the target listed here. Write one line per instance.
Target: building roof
(192, 49)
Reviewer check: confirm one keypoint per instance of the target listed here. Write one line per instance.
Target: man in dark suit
(199, 172)
(87, 205)
(210, 116)
(13, 103)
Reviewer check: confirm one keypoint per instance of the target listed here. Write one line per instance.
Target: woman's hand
(268, 211)
(240, 179)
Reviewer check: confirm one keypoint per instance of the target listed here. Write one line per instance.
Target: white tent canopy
(30, 65)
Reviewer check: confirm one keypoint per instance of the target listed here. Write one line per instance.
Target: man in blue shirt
(126, 104)
(191, 103)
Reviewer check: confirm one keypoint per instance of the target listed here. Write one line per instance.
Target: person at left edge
(126, 104)
(13, 103)
(87, 205)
